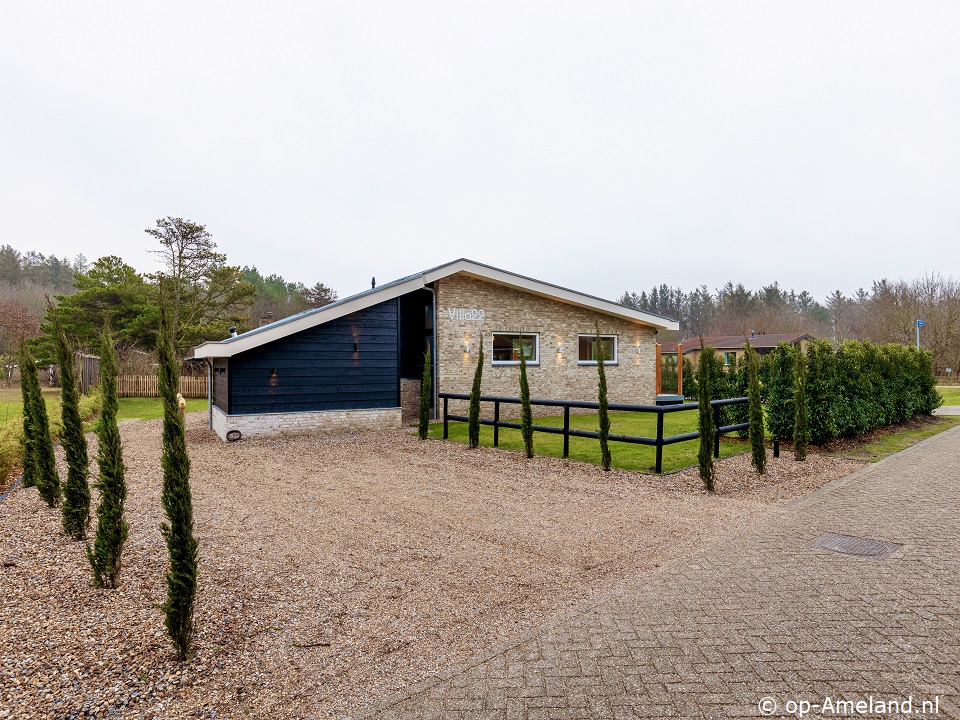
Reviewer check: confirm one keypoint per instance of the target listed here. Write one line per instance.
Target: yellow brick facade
(559, 375)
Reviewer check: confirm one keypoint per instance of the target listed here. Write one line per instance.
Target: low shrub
(11, 450)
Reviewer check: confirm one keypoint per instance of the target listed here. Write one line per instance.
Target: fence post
(566, 431)
(659, 465)
(445, 429)
(776, 447)
(716, 432)
(496, 423)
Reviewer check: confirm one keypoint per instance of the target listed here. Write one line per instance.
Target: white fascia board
(553, 292)
(248, 341)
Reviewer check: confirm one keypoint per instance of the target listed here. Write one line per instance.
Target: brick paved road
(764, 615)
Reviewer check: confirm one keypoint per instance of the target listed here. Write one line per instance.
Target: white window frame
(726, 357)
(615, 360)
(536, 345)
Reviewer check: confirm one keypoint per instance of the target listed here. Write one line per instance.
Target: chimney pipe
(233, 331)
(373, 283)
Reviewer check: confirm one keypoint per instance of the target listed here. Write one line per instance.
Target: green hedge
(780, 411)
(852, 390)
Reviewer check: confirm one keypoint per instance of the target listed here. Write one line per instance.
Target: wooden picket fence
(146, 386)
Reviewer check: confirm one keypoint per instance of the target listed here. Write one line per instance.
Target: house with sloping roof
(357, 363)
(730, 347)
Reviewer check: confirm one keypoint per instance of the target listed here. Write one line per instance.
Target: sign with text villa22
(466, 314)
(919, 323)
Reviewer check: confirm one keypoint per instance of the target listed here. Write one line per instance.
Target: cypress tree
(603, 410)
(690, 387)
(44, 463)
(801, 428)
(29, 437)
(426, 394)
(76, 490)
(177, 502)
(526, 415)
(705, 423)
(105, 555)
(473, 424)
(757, 447)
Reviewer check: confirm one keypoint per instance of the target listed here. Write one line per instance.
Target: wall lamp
(639, 351)
(466, 347)
(356, 346)
(559, 349)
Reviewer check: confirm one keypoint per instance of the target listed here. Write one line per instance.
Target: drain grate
(861, 547)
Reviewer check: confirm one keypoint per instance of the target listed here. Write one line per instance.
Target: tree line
(885, 313)
(206, 296)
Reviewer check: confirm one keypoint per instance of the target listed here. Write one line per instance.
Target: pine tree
(112, 529)
(757, 447)
(473, 424)
(706, 426)
(44, 461)
(28, 439)
(603, 410)
(76, 490)
(426, 394)
(526, 414)
(801, 428)
(177, 503)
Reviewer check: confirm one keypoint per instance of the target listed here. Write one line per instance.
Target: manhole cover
(850, 545)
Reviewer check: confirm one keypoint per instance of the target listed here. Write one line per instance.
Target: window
(588, 349)
(729, 358)
(508, 346)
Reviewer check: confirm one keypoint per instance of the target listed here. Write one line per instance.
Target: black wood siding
(317, 369)
(221, 386)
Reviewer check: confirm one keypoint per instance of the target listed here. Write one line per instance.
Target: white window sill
(595, 363)
(513, 362)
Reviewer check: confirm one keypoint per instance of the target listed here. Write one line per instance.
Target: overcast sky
(600, 146)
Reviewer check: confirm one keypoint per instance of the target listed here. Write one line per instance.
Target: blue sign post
(919, 325)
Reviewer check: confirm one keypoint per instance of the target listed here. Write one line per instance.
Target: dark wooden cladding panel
(221, 385)
(333, 385)
(344, 356)
(305, 399)
(318, 369)
(355, 404)
(315, 369)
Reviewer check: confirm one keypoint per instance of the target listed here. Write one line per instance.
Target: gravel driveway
(337, 569)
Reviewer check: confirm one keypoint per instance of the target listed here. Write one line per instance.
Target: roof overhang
(312, 318)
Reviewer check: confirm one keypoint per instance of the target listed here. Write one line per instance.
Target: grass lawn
(624, 455)
(951, 396)
(11, 400)
(881, 443)
(129, 408)
(151, 408)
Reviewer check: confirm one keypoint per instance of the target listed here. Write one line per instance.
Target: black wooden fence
(659, 441)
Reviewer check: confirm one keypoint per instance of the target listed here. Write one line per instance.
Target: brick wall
(410, 400)
(305, 423)
(559, 376)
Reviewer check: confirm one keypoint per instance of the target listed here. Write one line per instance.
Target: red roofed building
(730, 346)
